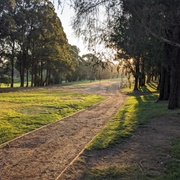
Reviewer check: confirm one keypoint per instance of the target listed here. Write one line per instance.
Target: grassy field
(24, 111)
(139, 109)
(17, 82)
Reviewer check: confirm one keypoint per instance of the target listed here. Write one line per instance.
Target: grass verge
(27, 110)
(115, 173)
(172, 171)
(138, 110)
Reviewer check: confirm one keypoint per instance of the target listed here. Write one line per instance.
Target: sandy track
(45, 153)
(147, 150)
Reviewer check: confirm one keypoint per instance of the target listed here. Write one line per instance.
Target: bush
(4, 79)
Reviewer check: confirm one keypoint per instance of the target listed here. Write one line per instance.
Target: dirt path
(146, 149)
(45, 153)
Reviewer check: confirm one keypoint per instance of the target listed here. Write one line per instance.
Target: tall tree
(159, 19)
(33, 39)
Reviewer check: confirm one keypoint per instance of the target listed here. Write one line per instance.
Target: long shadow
(153, 86)
(144, 98)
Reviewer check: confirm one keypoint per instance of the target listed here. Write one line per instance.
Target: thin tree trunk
(32, 74)
(22, 76)
(12, 65)
(27, 78)
(41, 74)
(148, 78)
(143, 77)
(35, 75)
(136, 76)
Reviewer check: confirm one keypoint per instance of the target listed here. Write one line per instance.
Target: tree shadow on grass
(145, 90)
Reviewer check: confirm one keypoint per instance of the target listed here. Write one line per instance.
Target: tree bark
(27, 78)
(22, 64)
(174, 99)
(164, 84)
(142, 78)
(136, 75)
(12, 64)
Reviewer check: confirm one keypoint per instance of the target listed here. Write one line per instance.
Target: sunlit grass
(27, 110)
(82, 82)
(138, 110)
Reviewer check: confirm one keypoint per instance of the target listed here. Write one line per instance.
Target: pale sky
(65, 14)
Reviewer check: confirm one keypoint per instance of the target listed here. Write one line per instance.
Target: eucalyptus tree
(8, 34)
(24, 27)
(79, 70)
(159, 19)
(94, 64)
(134, 47)
(49, 47)
(34, 40)
(4, 68)
(127, 40)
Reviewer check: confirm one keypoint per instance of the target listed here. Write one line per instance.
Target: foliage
(4, 80)
(142, 30)
(33, 41)
(135, 50)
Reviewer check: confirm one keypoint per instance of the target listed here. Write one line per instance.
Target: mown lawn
(24, 111)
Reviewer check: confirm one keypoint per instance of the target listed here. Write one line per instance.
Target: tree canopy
(145, 29)
(33, 41)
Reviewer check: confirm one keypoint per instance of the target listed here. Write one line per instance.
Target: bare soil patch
(45, 153)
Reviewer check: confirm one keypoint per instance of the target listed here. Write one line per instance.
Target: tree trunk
(143, 77)
(32, 79)
(32, 73)
(35, 75)
(174, 99)
(136, 75)
(22, 78)
(23, 68)
(41, 74)
(148, 78)
(164, 84)
(27, 78)
(12, 65)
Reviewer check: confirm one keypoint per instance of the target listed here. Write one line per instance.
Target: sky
(65, 14)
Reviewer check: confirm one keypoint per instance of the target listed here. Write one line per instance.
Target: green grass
(115, 173)
(83, 82)
(24, 111)
(172, 171)
(138, 110)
